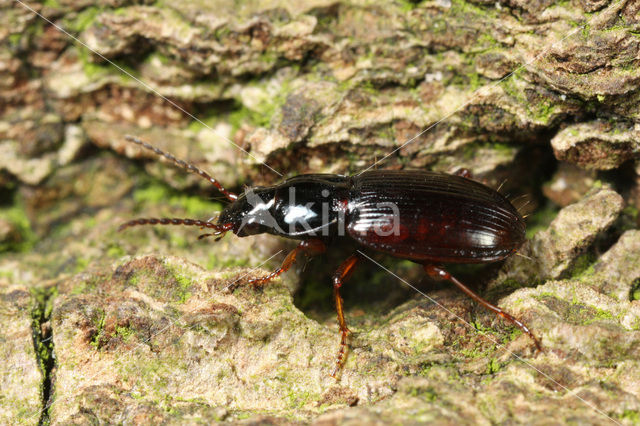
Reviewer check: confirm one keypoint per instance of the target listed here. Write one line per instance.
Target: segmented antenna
(218, 229)
(184, 165)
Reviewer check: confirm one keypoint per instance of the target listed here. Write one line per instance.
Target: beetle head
(251, 213)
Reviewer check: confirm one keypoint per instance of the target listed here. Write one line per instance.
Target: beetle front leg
(311, 247)
(340, 277)
(439, 273)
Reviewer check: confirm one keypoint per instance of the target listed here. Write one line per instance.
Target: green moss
(98, 322)
(172, 285)
(92, 69)
(631, 212)
(118, 69)
(465, 7)
(182, 292)
(157, 193)
(473, 353)
(583, 266)
(14, 39)
(425, 393)
(205, 121)
(513, 89)
(24, 237)
(631, 415)
(596, 314)
(79, 289)
(134, 280)
(159, 56)
(122, 11)
(215, 262)
(124, 332)
(299, 399)
(493, 366)
(115, 251)
(541, 219)
(152, 193)
(195, 205)
(261, 113)
(82, 20)
(268, 57)
(367, 86)
(475, 81)
(81, 264)
(154, 372)
(406, 5)
(185, 285)
(543, 111)
(178, 241)
(503, 148)
(245, 115)
(43, 298)
(634, 294)
(42, 307)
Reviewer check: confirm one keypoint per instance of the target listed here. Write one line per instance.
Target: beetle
(427, 217)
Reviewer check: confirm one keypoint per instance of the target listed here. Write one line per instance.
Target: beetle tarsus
(340, 277)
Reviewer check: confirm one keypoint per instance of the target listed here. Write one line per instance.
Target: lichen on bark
(539, 98)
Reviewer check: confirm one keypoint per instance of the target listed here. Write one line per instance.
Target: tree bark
(519, 92)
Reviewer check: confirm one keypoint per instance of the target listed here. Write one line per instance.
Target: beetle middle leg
(439, 273)
(340, 277)
(311, 247)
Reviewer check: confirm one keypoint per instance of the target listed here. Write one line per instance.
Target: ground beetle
(429, 218)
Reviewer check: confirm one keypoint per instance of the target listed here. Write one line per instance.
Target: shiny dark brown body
(442, 218)
(429, 218)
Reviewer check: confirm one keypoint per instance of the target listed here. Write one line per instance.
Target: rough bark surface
(151, 326)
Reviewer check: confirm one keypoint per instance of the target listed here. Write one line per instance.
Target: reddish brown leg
(310, 247)
(440, 273)
(340, 277)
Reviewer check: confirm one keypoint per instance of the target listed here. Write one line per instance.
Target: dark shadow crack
(43, 344)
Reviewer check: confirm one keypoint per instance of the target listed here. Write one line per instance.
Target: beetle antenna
(184, 165)
(218, 229)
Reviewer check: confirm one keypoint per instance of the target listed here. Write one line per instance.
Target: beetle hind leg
(439, 273)
(340, 277)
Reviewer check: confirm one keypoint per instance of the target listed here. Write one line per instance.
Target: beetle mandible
(427, 217)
